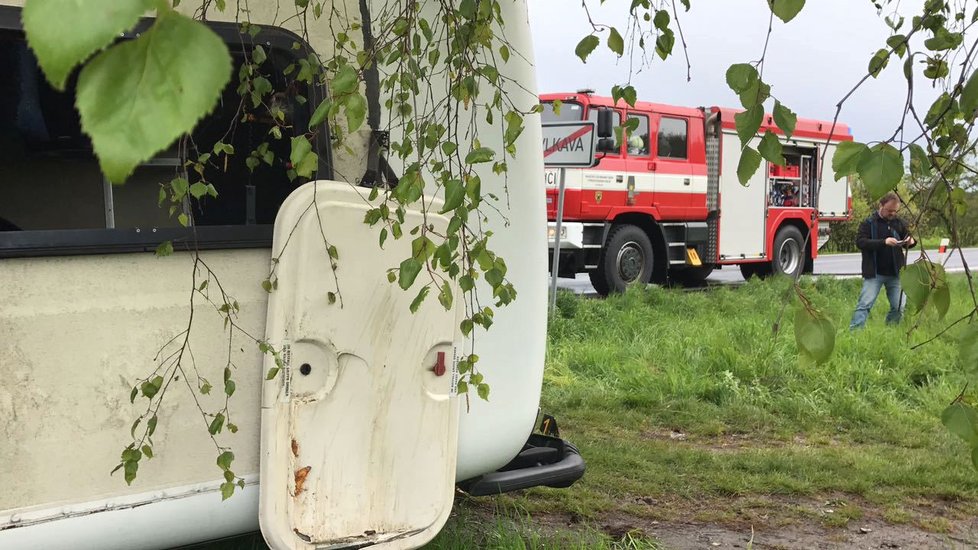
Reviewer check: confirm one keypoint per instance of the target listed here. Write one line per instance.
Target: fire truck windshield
(569, 112)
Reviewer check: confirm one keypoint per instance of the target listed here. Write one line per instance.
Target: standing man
(882, 238)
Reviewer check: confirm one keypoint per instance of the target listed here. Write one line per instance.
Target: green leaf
(741, 76)
(356, 111)
(878, 62)
(939, 110)
(770, 148)
(408, 273)
(748, 123)
(132, 396)
(483, 390)
(847, 157)
(319, 115)
(881, 169)
(272, 373)
(131, 467)
(661, 20)
(331, 297)
(462, 387)
(217, 424)
(303, 160)
(936, 68)
(586, 46)
(229, 387)
(148, 451)
(814, 334)
(164, 249)
(899, 44)
(205, 389)
(969, 96)
(422, 294)
(151, 426)
(138, 96)
(224, 460)
(615, 42)
(919, 163)
(750, 161)
(198, 190)
(64, 33)
(227, 490)
(961, 419)
(480, 155)
(915, 279)
(785, 119)
(664, 43)
(346, 81)
(454, 195)
(445, 296)
(786, 10)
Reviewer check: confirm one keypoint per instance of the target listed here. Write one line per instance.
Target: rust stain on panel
(300, 479)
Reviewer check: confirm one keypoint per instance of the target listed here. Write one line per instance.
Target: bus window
(50, 178)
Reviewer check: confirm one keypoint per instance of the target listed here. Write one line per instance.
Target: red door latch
(439, 368)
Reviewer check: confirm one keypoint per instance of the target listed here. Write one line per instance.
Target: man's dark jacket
(878, 258)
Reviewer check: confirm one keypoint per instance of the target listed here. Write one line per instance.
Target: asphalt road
(839, 265)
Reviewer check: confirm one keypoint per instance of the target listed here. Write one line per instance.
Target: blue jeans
(869, 293)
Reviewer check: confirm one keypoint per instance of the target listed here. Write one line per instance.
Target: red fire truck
(666, 203)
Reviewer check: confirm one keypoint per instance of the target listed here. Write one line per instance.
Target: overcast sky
(812, 62)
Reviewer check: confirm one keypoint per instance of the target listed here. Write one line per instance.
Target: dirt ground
(783, 523)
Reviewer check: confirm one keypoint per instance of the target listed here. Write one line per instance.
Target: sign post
(565, 145)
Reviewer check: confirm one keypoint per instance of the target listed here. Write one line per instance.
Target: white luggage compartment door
(743, 209)
(359, 433)
(833, 196)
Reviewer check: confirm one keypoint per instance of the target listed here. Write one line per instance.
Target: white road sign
(568, 144)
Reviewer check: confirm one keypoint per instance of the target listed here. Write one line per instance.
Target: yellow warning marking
(692, 258)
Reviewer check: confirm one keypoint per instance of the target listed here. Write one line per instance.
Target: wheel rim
(631, 262)
(789, 257)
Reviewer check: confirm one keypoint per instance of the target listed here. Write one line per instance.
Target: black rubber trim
(521, 473)
(79, 242)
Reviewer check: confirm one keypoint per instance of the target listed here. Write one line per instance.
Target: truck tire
(789, 257)
(626, 259)
(691, 276)
(755, 269)
(598, 281)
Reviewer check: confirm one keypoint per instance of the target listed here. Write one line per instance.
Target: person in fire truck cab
(883, 239)
(636, 145)
(790, 196)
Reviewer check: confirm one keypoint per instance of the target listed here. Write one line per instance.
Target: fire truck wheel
(626, 258)
(598, 281)
(691, 276)
(789, 257)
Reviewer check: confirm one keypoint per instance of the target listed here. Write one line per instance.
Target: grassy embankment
(689, 411)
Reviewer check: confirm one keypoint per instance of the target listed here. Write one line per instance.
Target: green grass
(688, 399)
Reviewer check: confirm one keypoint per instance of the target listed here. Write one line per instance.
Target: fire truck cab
(665, 203)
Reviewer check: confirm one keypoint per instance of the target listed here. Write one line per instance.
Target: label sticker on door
(286, 355)
(456, 357)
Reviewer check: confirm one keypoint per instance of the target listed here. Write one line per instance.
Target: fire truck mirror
(604, 123)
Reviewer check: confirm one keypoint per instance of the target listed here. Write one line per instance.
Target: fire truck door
(673, 171)
(639, 180)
